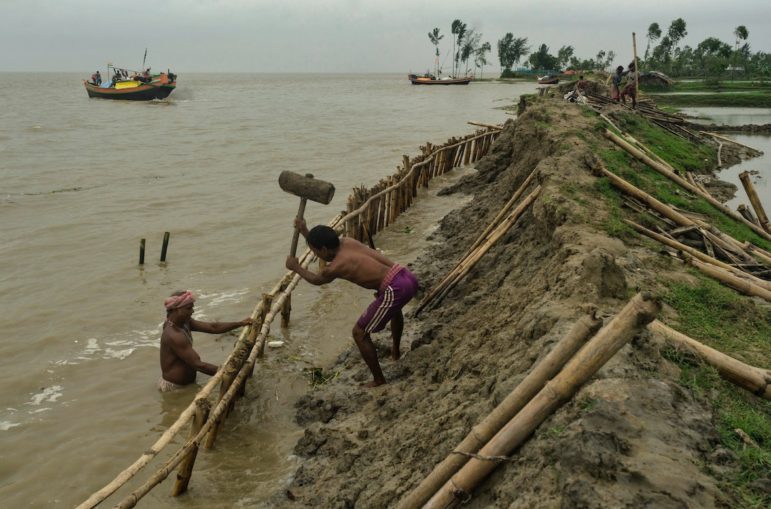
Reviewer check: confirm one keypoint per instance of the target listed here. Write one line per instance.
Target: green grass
(733, 324)
(680, 153)
(719, 86)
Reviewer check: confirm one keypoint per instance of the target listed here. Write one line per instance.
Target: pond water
(760, 167)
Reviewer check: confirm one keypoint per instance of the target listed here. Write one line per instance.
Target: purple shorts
(398, 287)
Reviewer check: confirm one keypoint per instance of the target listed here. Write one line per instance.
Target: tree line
(712, 58)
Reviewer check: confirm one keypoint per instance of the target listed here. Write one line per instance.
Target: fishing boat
(427, 79)
(132, 85)
(551, 79)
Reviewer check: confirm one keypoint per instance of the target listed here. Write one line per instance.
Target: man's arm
(218, 327)
(318, 279)
(299, 223)
(184, 350)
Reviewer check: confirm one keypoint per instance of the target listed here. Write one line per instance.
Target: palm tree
(434, 37)
(654, 33)
(469, 47)
(479, 57)
(458, 29)
(519, 49)
(741, 33)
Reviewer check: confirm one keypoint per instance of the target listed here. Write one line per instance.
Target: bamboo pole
(637, 313)
(470, 261)
(755, 201)
(758, 252)
(185, 471)
(684, 183)
(636, 69)
(755, 380)
(161, 474)
(729, 140)
(698, 254)
(542, 372)
(747, 213)
(488, 126)
(737, 283)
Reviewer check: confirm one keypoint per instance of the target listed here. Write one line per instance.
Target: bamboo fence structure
(369, 212)
(638, 312)
(755, 380)
(541, 373)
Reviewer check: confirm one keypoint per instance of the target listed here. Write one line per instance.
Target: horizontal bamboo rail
(755, 380)
(382, 205)
(638, 312)
(541, 373)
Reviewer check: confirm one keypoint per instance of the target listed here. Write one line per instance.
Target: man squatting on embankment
(353, 261)
(179, 361)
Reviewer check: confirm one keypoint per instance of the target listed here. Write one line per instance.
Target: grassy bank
(733, 324)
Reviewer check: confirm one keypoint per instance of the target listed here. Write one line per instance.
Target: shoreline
(370, 448)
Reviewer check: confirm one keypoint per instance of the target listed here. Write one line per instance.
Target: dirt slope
(632, 437)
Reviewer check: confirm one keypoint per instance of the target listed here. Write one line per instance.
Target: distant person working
(179, 361)
(353, 261)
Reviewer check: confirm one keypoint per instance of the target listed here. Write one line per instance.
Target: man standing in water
(179, 361)
(353, 261)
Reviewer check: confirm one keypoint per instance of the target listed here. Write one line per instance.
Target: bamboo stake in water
(165, 246)
(141, 251)
(185, 471)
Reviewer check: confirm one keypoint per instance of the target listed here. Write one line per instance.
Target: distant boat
(428, 79)
(551, 79)
(137, 87)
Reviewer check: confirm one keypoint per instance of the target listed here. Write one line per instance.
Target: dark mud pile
(631, 437)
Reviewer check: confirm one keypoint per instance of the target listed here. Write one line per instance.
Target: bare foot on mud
(374, 383)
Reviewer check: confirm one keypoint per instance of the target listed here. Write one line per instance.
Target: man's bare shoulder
(173, 335)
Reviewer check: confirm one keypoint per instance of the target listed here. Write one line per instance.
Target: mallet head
(306, 187)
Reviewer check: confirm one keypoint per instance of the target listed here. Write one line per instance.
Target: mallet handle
(296, 235)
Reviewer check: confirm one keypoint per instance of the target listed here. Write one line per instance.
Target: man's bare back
(358, 264)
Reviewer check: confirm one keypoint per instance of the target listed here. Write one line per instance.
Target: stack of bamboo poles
(538, 396)
(369, 212)
(498, 227)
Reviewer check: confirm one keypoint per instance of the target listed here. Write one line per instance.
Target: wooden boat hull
(144, 92)
(428, 81)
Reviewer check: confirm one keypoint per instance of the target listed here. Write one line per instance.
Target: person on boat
(179, 361)
(97, 78)
(631, 86)
(351, 260)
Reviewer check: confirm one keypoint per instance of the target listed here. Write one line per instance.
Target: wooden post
(227, 379)
(467, 152)
(755, 380)
(141, 251)
(286, 311)
(755, 201)
(165, 246)
(636, 68)
(641, 310)
(185, 471)
(747, 213)
(542, 372)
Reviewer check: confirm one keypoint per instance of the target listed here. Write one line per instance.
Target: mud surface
(631, 437)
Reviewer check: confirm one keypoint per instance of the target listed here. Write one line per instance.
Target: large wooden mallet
(307, 188)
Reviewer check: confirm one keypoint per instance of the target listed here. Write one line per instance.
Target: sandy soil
(631, 437)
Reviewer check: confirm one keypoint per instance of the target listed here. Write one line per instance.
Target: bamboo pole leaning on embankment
(755, 201)
(756, 380)
(541, 373)
(698, 254)
(662, 169)
(638, 312)
(726, 242)
(737, 283)
(666, 171)
(472, 257)
(185, 417)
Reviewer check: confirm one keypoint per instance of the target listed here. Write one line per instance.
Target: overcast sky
(336, 35)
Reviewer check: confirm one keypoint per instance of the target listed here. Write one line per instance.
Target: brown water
(83, 180)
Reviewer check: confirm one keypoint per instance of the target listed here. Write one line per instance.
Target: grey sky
(336, 35)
